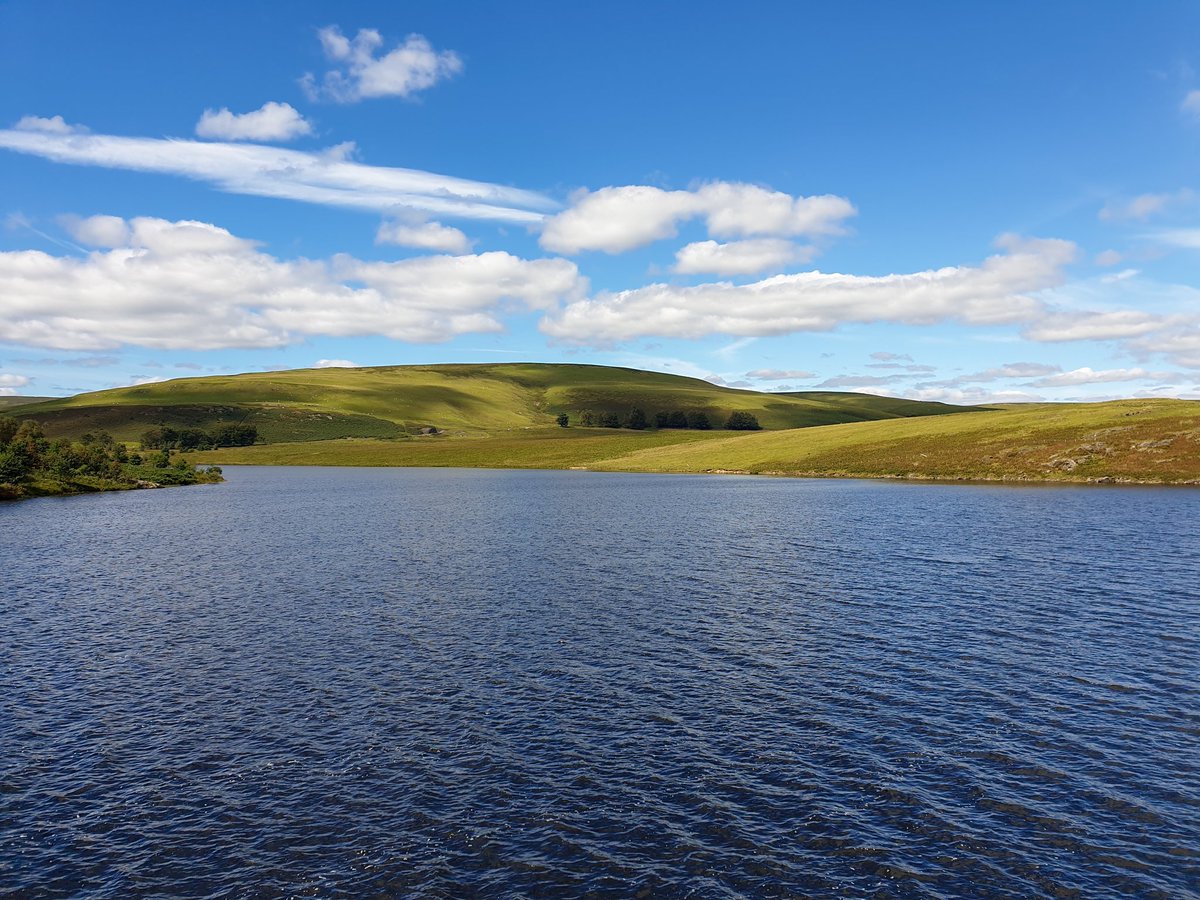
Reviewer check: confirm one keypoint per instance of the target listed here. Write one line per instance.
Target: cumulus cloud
(192, 285)
(9, 383)
(739, 257)
(360, 73)
(995, 292)
(52, 125)
(616, 219)
(1086, 375)
(414, 232)
(329, 179)
(334, 364)
(780, 374)
(97, 231)
(270, 122)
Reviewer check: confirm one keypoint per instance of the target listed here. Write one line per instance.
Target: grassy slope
(1127, 440)
(7, 403)
(389, 402)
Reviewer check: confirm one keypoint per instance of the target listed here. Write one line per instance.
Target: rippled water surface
(453, 682)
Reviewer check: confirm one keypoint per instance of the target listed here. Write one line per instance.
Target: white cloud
(192, 285)
(971, 396)
(411, 67)
(1144, 206)
(739, 257)
(1185, 238)
(1009, 370)
(1092, 326)
(97, 231)
(146, 379)
(1191, 103)
(13, 381)
(995, 292)
(884, 356)
(616, 219)
(53, 125)
(407, 232)
(858, 381)
(324, 178)
(334, 364)
(780, 374)
(270, 122)
(1179, 341)
(1108, 258)
(1086, 375)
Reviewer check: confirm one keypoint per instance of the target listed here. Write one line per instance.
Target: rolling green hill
(396, 401)
(1147, 441)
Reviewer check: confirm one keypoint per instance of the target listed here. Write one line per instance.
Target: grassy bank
(1127, 441)
(535, 448)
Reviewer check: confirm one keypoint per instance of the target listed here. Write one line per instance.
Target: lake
(324, 682)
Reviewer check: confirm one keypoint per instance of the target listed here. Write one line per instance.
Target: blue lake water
(323, 682)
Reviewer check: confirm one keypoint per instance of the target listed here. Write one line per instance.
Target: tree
(587, 418)
(677, 419)
(610, 420)
(8, 428)
(662, 420)
(698, 420)
(636, 419)
(742, 421)
(563, 420)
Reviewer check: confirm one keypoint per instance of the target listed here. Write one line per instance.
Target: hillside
(396, 401)
(7, 403)
(1152, 441)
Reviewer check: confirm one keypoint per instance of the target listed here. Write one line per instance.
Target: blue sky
(965, 202)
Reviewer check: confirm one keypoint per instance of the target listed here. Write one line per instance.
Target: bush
(610, 420)
(698, 420)
(636, 419)
(563, 420)
(742, 421)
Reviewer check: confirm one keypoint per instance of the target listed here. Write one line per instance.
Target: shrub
(742, 421)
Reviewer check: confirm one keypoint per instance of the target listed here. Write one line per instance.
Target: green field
(396, 401)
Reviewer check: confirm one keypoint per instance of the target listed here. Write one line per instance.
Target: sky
(973, 202)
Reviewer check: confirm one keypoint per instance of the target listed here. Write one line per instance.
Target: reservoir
(340, 682)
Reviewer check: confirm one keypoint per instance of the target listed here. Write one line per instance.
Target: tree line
(163, 437)
(26, 454)
(636, 419)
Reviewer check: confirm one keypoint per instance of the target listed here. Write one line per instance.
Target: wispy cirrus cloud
(328, 178)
